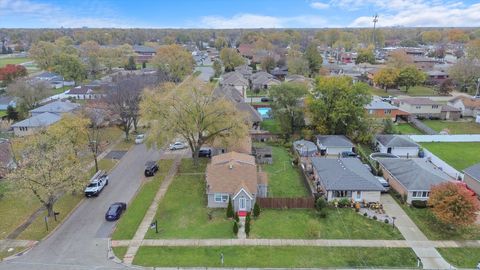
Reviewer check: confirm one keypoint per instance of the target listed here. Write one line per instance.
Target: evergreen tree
(12, 114)
(131, 64)
(256, 210)
(230, 212)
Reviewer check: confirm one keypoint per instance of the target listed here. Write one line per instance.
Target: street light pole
(477, 94)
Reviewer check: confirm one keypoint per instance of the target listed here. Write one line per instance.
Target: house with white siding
(346, 178)
(399, 145)
(334, 144)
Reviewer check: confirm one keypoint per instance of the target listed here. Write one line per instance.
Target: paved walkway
(429, 256)
(241, 230)
(300, 242)
(135, 243)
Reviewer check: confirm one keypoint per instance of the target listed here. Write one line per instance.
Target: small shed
(305, 148)
(263, 155)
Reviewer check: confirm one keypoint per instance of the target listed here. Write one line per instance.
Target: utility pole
(375, 20)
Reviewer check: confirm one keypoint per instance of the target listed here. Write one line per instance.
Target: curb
(20, 253)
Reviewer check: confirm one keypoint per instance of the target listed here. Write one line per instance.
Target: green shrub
(320, 203)
(386, 221)
(248, 218)
(344, 202)
(247, 227)
(236, 218)
(235, 227)
(419, 204)
(256, 210)
(230, 212)
(365, 214)
(374, 217)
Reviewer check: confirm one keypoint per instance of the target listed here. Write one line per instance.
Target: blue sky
(236, 13)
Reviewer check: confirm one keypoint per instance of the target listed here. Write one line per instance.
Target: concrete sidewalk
(135, 243)
(430, 257)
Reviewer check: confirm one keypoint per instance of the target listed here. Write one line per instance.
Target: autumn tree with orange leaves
(453, 204)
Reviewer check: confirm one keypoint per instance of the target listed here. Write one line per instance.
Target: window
(434, 106)
(418, 107)
(358, 196)
(370, 111)
(420, 194)
(220, 198)
(342, 193)
(387, 111)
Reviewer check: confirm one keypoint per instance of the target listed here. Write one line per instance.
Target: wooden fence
(279, 203)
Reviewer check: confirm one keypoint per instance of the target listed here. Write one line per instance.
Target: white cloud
(261, 21)
(424, 13)
(319, 5)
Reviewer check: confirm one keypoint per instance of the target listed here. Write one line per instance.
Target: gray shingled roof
(414, 173)
(41, 120)
(305, 148)
(473, 171)
(56, 107)
(395, 141)
(334, 141)
(345, 174)
(380, 105)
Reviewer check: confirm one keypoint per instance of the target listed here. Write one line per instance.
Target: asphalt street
(82, 241)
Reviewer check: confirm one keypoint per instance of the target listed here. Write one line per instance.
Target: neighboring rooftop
(41, 120)
(345, 174)
(56, 107)
(395, 141)
(417, 101)
(380, 105)
(468, 101)
(334, 141)
(414, 173)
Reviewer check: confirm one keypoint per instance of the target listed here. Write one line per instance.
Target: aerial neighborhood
(240, 148)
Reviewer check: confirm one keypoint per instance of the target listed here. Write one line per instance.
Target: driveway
(82, 241)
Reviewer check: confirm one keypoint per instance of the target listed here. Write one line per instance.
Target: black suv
(205, 152)
(151, 167)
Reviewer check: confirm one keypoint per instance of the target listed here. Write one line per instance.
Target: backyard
(276, 257)
(182, 213)
(408, 129)
(418, 90)
(271, 125)
(284, 180)
(306, 224)
(459, 155)
(465, 126)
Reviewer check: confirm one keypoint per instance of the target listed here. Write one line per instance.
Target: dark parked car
(115, 211)
(265, 99)
(205, 152)
(348, 154)
(151, 167)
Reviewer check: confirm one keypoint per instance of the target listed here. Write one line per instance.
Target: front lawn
(271, 125)
(187, 166)
(459, 155)
(408, 129)
(305, 224)
(15, 207)
(182, 213)
(120, 252)
(461, 257)
(276, 257)
(427, 223)
(137, 208)
(418, 90)
(37, 230)
(13, 60)
(454, 127)
(284, 180)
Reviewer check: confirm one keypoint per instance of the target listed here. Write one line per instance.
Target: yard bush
(374, 217)
(396, 195)
(237, 219)
(230, 209)
(344, 203)
(386, 221)
(235, 227)
(248, 218)
(256, 210)
(247, 227)
(320, 203)
(365, 214)
(419, 204)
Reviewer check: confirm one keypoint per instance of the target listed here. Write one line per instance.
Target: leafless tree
(123, 98)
